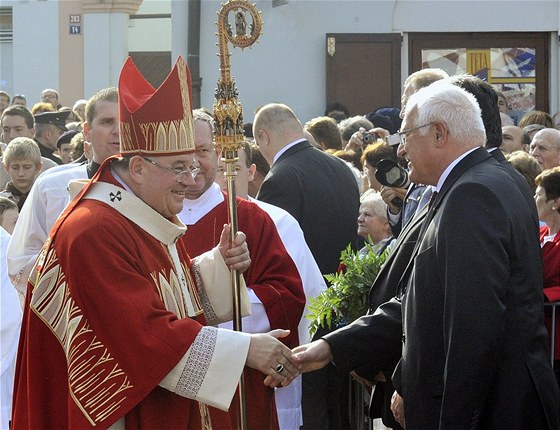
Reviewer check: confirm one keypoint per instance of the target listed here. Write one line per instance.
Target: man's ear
(137, 169)
(441, 133)
(86, 130)
(252, 170)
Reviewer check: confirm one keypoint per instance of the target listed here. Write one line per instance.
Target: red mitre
(155, 122)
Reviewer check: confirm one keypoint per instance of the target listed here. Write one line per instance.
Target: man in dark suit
(474, 344)
(321, 193)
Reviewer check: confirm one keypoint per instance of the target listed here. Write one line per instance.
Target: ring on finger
(279, 368)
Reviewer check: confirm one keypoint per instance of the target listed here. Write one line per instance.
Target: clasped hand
(272, 357)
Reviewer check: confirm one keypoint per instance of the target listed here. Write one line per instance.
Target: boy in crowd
(22, 162)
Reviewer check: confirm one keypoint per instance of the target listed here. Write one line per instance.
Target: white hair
(456, 108)
(376, 204)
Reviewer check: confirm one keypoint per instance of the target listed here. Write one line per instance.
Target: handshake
(282, 365)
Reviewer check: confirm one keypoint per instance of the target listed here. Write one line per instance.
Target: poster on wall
(510, 71)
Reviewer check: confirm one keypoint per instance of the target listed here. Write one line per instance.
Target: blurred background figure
(41, 107)
(4, 101)
(529, 131)
(19, 100)
(373, 225)
(337, 111)
(49, 95)
(63, 143)
(527, 165)
(536, 117)
(349, 126)
(8, 218)
(324, 130)
(262, 168)
(512, 139)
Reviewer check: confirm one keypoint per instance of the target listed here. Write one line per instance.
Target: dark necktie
(432, 199)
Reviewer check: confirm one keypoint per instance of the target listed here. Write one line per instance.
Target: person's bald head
(275, 126)
(545, 147)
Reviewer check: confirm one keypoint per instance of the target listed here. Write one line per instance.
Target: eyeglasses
(181, 174)
(399, 138)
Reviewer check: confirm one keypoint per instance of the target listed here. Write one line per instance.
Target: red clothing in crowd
(551, 281)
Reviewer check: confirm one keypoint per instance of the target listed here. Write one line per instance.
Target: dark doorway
(364, 71)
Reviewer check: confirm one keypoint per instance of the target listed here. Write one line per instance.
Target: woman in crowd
(547, 198)
(373, 225)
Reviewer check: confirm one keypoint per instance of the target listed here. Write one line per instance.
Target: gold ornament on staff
(228, 119)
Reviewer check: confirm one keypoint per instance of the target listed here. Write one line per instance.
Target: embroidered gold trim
(96, 382)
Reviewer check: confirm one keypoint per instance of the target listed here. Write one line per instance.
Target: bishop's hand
(235, 254)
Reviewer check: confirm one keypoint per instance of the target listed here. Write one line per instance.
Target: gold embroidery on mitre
(126, 137)
(165, 136)
(96, 381)
(187, 122)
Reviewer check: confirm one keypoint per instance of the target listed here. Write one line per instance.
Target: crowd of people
(116, 259)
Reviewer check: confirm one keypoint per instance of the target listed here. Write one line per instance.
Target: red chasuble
(275, 280)
(104, 323)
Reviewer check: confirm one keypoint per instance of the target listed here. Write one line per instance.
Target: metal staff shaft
(230, 157)
(241, 32)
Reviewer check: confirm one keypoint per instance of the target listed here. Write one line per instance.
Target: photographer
(362, 138)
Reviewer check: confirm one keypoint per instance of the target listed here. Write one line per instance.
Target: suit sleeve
(374, 339)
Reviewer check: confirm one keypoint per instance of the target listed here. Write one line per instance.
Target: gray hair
(203, 115)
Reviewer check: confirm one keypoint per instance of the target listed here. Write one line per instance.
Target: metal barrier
(552, 305)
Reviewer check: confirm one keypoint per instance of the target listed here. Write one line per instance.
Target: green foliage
(347, 297)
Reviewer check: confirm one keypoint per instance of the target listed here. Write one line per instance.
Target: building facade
(311, 52)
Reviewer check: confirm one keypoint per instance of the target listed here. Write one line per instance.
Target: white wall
(289, 62)
(35, 48)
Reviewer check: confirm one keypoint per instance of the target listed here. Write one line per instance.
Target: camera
(391, 174)
(369, 137)
(393, 140)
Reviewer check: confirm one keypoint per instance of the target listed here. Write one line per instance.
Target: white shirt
(449, 168)
(46, 201)
(285, 148)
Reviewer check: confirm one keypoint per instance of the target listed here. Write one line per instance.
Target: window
(512, 63)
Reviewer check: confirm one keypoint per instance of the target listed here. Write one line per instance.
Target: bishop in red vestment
(114, 331)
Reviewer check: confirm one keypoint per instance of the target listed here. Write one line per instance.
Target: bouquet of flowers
(347, 297)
